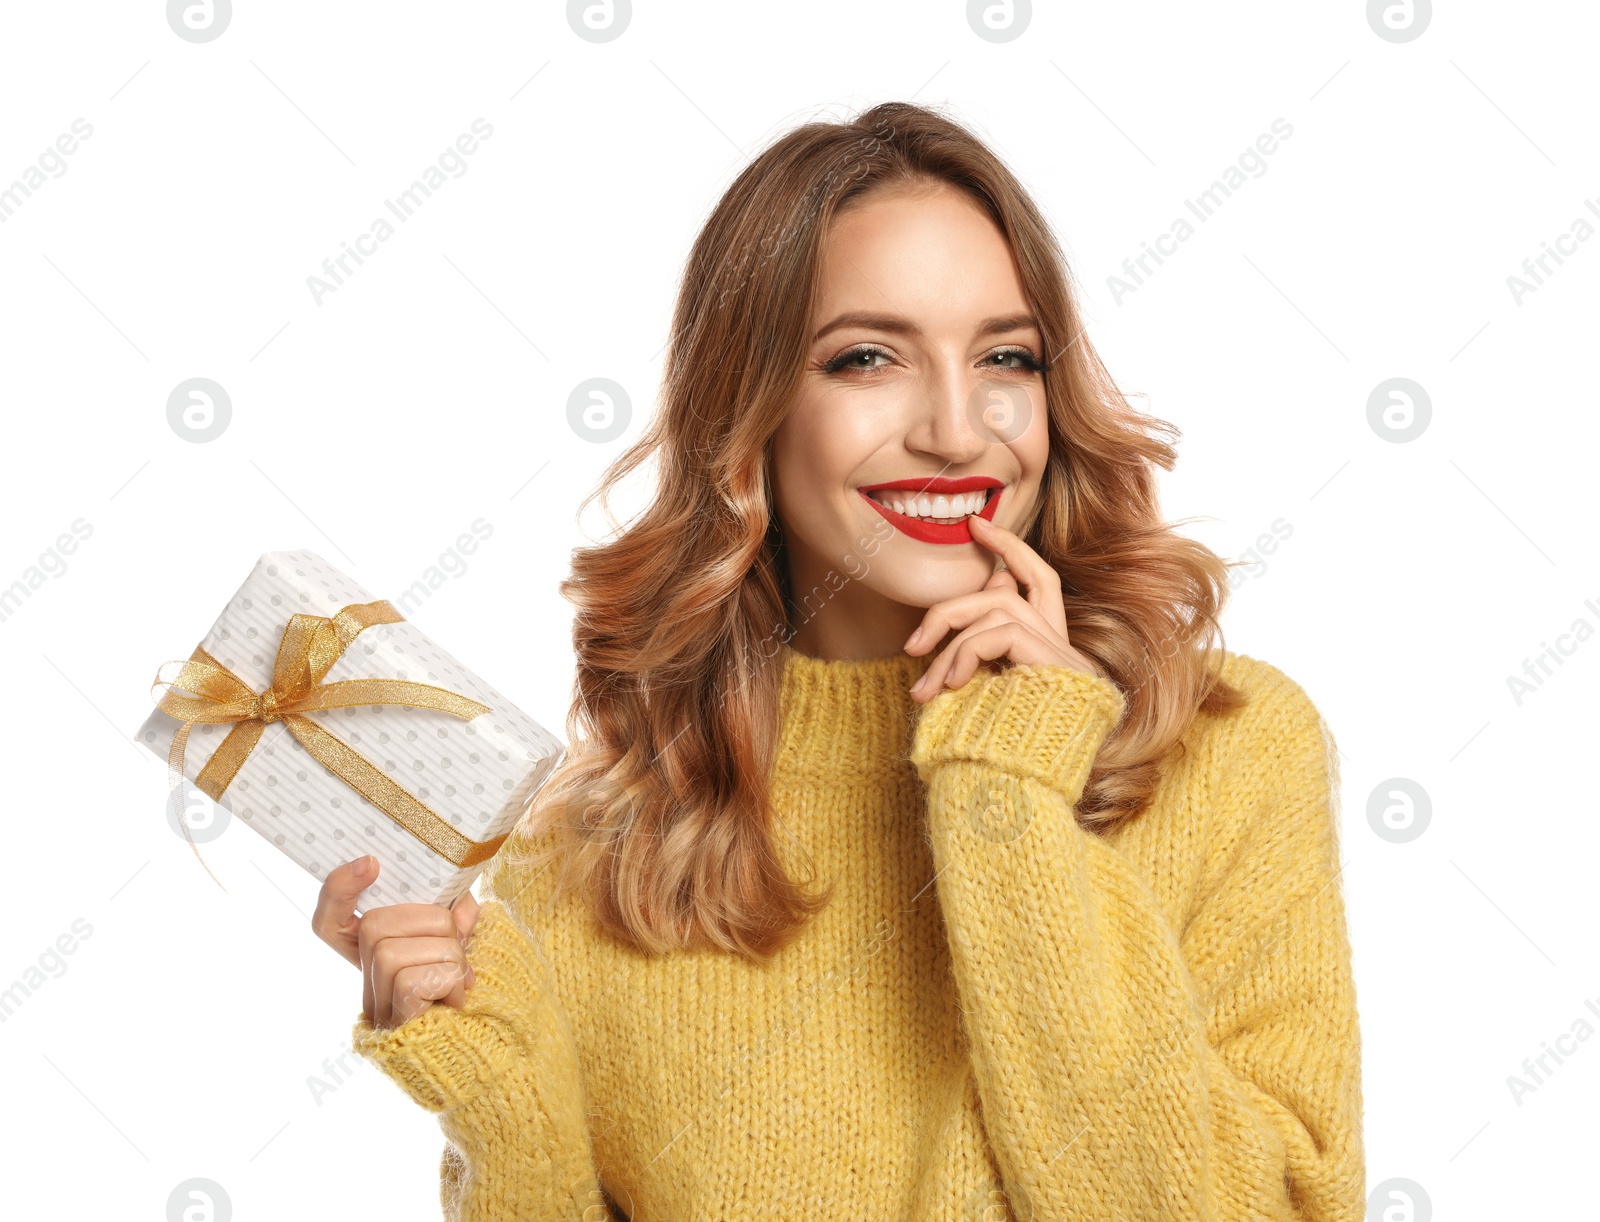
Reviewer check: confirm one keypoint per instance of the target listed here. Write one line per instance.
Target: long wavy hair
(660, 807)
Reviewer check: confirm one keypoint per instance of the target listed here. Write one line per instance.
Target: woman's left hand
(997, 621)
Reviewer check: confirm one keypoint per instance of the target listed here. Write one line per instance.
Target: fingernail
(912, 640)
(363, 867)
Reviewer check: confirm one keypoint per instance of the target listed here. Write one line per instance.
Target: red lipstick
(936, 532)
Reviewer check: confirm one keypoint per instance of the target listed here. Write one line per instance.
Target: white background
(430, 391)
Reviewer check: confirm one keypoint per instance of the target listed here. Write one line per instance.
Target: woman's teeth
(948, 508)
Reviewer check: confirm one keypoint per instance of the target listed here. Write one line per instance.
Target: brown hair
(662, 801)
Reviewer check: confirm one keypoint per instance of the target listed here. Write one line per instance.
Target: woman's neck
(839, 633)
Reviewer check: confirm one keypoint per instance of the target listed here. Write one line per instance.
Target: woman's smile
(935, 509)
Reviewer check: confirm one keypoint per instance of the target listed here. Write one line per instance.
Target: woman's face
(922, 369)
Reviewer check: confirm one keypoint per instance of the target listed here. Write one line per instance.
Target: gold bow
(311, 644)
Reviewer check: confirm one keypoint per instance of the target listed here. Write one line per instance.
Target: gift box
(332, 726)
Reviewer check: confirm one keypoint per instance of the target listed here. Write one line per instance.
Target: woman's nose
(959, 417)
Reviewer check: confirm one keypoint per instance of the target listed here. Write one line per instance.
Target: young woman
(903, 621)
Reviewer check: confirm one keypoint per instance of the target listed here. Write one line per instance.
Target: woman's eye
(853, 359)
(1024, 359)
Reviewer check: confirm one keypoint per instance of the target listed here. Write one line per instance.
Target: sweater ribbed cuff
(444, 1057)
(1045, 722)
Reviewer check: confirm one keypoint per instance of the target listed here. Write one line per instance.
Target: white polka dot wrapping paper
(479, 775)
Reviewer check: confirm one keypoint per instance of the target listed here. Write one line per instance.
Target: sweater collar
(848, 719)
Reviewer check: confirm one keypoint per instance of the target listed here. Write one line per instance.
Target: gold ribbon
(310, 645)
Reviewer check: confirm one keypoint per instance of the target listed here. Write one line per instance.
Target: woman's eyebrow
(904, 326)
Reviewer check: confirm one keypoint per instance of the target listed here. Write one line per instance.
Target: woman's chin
(923, 584)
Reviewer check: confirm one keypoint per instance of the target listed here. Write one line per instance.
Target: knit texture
(1001, 1017)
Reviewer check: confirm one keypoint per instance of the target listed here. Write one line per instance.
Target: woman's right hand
(410, 955)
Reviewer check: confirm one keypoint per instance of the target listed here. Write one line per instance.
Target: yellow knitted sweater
(1000, 1016)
